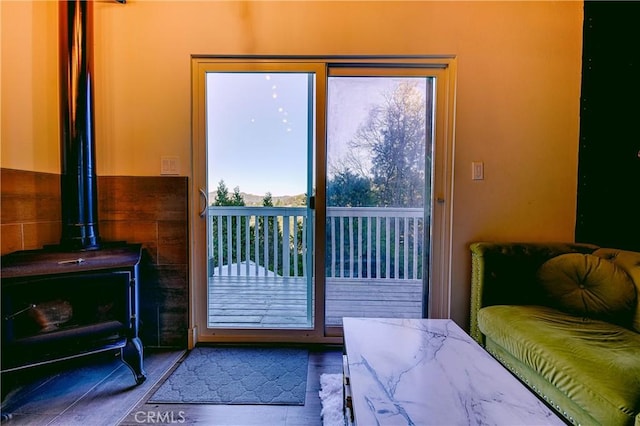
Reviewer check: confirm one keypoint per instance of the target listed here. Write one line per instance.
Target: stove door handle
(203, 212)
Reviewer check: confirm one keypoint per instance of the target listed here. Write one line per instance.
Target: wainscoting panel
(153, 211)
(30, 210)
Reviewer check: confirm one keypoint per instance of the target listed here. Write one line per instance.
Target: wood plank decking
(278, 302)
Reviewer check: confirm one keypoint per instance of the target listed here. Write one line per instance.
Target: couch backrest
(630, 262)
(505, 273)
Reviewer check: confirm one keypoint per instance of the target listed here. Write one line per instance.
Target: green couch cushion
(630, 262)
(590, 286)
(594, 363)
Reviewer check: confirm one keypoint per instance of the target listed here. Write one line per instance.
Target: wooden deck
(277, 302)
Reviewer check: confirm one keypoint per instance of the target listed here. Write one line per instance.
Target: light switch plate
(169, 166)
(477, 170)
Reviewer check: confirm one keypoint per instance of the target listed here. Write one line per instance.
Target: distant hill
(283, 200)
(256, 200)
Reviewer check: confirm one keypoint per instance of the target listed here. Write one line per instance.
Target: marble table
(430, 372)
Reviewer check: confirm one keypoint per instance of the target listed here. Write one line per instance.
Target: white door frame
(443, 68)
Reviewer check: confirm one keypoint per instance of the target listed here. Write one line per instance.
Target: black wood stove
(60, 304)
(79, 297)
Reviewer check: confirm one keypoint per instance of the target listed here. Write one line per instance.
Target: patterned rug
(232, 375)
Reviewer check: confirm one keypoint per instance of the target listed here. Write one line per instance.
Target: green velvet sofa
(565, 319)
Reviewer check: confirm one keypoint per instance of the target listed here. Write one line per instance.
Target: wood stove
(60, 304)
(81, 296)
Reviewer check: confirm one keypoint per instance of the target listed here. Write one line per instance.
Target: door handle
(203, 212)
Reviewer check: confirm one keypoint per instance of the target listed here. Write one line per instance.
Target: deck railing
(361, 242)
(375, 242)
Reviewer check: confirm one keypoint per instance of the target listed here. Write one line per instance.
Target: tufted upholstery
(630, 262)
(586, 368)
(589, 286)
(505, 273)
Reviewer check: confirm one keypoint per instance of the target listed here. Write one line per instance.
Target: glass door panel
(378, 196)
(259, 222)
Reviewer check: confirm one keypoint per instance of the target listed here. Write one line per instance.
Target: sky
(257, 127)
(257, 132)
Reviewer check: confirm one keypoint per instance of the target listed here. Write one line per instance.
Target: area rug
(331, 396)
(237, 375)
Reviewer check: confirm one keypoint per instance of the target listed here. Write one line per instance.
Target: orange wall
(518, 90)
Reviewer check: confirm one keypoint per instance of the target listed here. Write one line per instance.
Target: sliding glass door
(259, 182)
(379, 151)
(320, 191)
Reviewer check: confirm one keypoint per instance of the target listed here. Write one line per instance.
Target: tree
(223, 199)
(347, 189)
(267, 232)
(394, 135)
(222, 195)
(237, 199)
(266, 228)
(389, 152)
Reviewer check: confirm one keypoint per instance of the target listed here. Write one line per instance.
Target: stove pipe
(78, 174)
